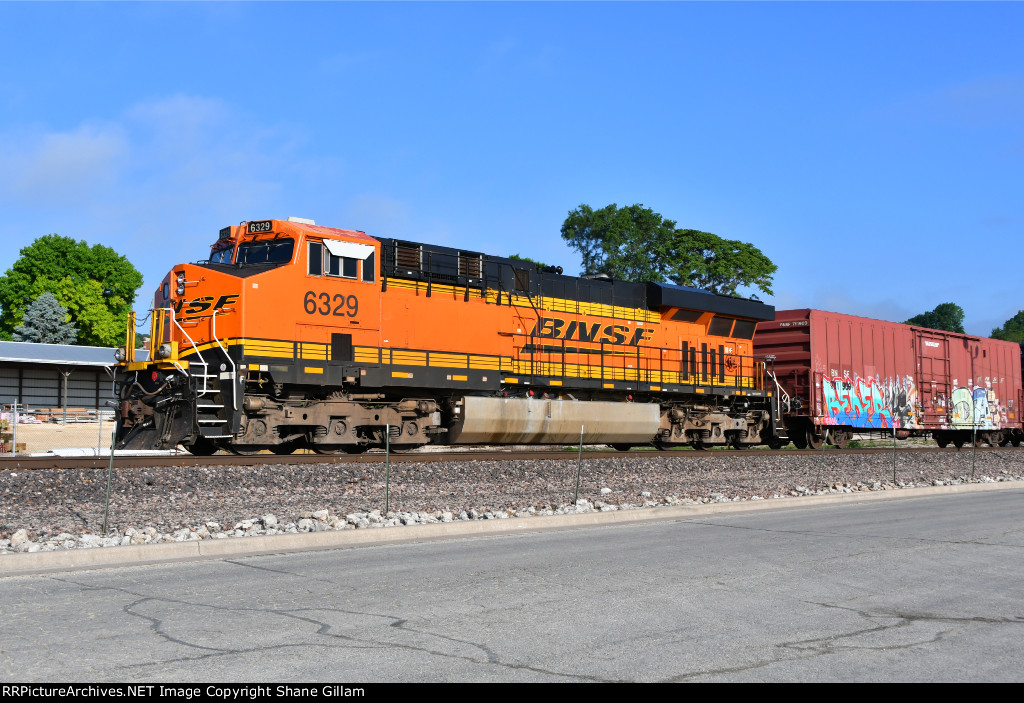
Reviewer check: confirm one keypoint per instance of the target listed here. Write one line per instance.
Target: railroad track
(487, 454)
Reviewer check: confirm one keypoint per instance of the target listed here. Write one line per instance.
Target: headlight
(181, 284)
(164, 352)
(119, 354)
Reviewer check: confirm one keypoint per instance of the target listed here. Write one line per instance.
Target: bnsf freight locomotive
(297, 335)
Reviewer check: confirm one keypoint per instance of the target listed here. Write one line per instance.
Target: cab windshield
(222, 256)
(267, 251)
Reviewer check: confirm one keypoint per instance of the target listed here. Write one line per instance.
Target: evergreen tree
(46, 322)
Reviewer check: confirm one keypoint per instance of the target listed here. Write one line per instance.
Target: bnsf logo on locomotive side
(574, 330)
(202, 304)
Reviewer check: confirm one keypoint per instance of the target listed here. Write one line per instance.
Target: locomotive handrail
(213, 332)
(195, 347)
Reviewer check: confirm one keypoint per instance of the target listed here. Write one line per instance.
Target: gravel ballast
(44, 510)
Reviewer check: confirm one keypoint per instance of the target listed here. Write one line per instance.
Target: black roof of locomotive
(440, 263)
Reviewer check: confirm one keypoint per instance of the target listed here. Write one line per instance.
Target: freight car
(840, 374)
(295, 335)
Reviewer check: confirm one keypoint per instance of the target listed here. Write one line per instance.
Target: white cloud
(61, 168)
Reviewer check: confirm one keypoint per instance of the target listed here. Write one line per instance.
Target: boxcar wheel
(841, 438)
(814, 440)
(958, 442)
(942, 441)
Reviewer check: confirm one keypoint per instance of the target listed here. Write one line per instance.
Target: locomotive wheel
(798, 438)
(621, 447)
(405, 448)
(284, 448)
(325, 448)
(814, 440)
(774, 443)
(698, 445)
(201, 447)
(243, 449)
(736, 443)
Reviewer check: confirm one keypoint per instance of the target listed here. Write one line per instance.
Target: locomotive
(295, 335)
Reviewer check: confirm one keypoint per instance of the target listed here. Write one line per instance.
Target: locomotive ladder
(780, 401)
(213, 421)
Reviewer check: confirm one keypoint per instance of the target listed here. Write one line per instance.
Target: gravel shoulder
(64, 509)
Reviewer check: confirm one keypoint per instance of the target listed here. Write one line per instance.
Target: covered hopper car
(297, 335)
(840, 374)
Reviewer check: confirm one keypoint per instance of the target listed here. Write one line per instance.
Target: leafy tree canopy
(46, 322)
(527, 259)
(95, 284)
(635, 243)
(1012, 330)
(945, 316)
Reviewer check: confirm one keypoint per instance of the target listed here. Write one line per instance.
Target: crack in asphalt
(323, 628)
(830, 644)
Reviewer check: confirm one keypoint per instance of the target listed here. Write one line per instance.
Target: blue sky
(874, 151)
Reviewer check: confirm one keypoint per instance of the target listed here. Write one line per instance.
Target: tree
(1012, 330)
(629, 244)
(95, 284)
(704, 260)
(945, 316)
(539, 264)
(635, 243)
(46, 322)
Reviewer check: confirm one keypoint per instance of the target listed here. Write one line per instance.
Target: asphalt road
(919, 589)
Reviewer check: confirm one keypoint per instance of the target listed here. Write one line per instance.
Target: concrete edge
(211, 549)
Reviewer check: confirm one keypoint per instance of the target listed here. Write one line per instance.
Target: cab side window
(344, 266)
(316, 259)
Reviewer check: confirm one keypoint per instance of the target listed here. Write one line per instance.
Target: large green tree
(945, 316)
(1012, 330)
(635, 243)
(95, 284)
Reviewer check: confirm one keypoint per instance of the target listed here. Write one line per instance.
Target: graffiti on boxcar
(977, 407)
(870, 402)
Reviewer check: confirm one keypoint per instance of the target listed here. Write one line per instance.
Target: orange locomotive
(297, 335)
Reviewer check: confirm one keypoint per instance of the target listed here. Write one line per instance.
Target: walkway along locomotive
(298, 335)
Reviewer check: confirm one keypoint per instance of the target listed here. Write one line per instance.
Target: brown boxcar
(844, 374)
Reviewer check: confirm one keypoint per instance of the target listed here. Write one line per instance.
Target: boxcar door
(933, 382)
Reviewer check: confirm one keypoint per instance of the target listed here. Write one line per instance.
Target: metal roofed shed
(55, 376)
